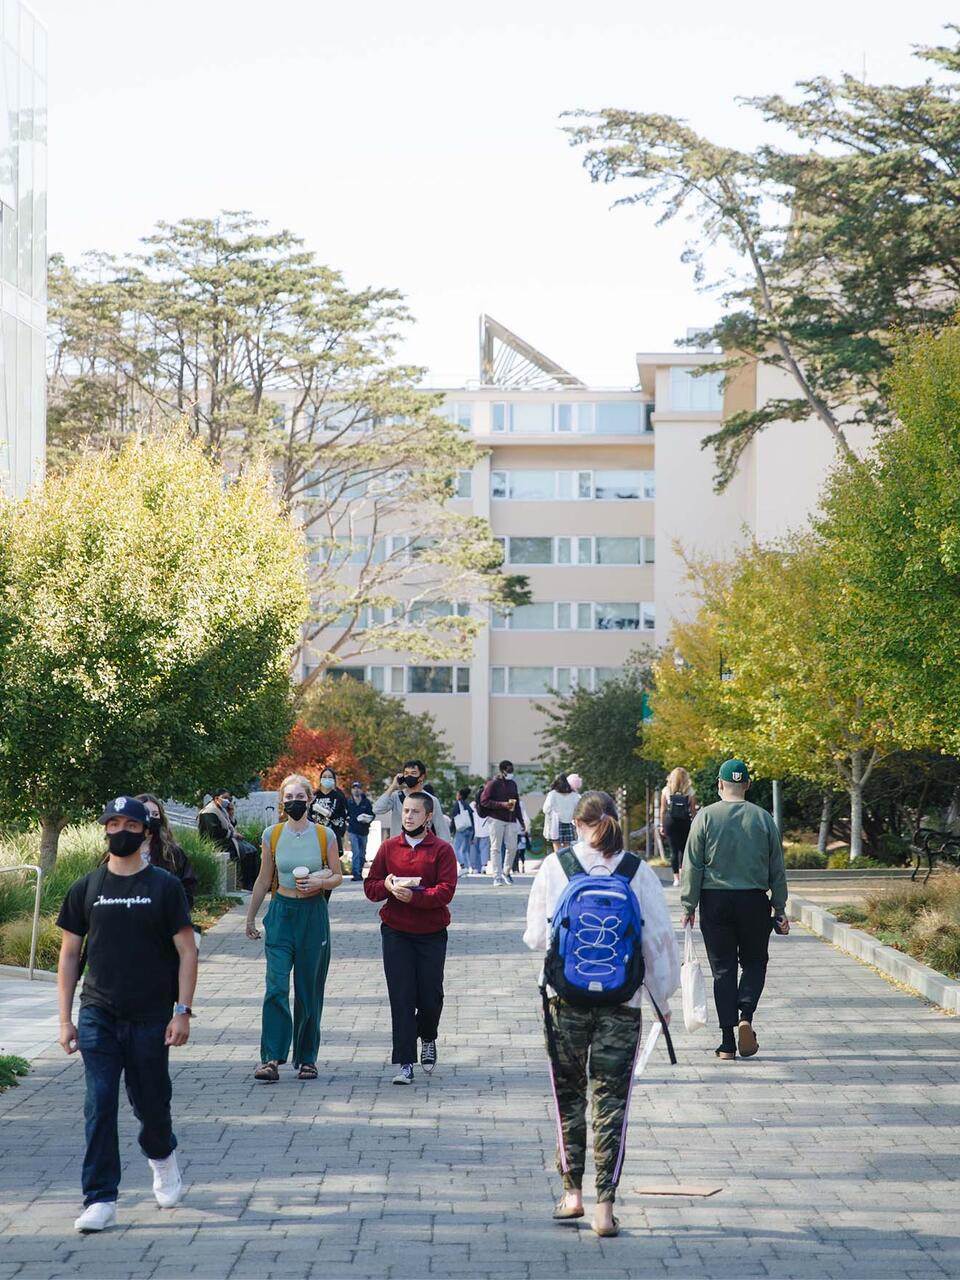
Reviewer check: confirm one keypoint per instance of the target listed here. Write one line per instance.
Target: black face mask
(410, 782)
(415, 831)
(123, 844)
(153, 826)
(295, 809)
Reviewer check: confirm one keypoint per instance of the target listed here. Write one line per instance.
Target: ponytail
(597, 810)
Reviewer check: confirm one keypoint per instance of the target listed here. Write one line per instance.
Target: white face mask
(508, 777)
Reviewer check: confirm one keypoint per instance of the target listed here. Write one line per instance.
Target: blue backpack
(594, 956)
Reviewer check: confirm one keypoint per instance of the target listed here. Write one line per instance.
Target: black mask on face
(410, 781)
(153, 825)
(122, 844)
(415, 831)
(295, 809)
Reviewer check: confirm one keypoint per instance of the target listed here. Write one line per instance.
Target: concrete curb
(15, 971)
(927, 982)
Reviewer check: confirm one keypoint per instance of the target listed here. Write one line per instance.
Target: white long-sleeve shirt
(661, 957)
(558, 806)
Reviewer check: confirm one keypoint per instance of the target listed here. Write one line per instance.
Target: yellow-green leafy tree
(147, 614)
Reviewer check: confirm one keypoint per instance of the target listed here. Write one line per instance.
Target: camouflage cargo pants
(603, 1041)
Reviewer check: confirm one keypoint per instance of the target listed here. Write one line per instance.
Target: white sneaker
(676, 881)
(508, 877)
(167, 1183)
(98, 1216)
(405, 1074)
(498, 882)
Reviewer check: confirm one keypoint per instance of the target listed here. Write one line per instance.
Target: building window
(695, 393)
(568, 486)
(527, 617)
(347, 673)
(438, 679)
(619, 417)
(530, 550)
(619, 486)
(464, 487)
(539, 682)
(570, 678)
(460, 412)
(530, 682)
(617, 617)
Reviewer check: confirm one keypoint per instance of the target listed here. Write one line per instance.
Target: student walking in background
(415, 876)
(500, 802)
(329, 806)
(584, 1031)
(558, 808)
(480, 848)
(461, 819)
(359, 817)
(136, 1002)
(678, 808)
(299, 862)
(734, 860)
(389, 807)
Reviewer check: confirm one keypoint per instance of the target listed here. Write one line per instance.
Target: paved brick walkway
(837, 1148)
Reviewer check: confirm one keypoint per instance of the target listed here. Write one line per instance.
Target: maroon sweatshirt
(436, 864)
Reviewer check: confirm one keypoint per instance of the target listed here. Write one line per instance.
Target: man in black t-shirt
(140, 956)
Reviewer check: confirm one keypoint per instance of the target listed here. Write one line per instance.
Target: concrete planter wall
(932, 985)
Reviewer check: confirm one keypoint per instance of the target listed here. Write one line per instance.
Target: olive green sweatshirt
(733, 844)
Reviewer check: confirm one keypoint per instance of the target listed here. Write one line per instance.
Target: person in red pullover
(414, 930)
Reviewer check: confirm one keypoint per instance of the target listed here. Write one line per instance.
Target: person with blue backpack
(600, 915)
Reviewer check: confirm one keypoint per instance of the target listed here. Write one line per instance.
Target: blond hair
(294, 780)
(678, 783)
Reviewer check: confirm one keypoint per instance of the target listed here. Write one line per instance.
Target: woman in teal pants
(297, 926)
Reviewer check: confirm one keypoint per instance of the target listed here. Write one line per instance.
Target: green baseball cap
(734, 771)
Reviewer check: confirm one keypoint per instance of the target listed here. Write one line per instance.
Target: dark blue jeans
(109, 1046)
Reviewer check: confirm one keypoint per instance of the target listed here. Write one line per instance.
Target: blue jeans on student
(462, 840)
(479, 852)
(358, 846)
(110, 1046)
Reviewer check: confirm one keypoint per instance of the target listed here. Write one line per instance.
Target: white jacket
(661, 957)
(558, 806)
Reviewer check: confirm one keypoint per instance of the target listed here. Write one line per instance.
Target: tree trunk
(50, 828)
(826, 813)
(855, 788)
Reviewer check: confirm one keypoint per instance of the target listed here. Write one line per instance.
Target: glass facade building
(23, 246)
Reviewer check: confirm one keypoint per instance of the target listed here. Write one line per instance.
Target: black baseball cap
(125, 807)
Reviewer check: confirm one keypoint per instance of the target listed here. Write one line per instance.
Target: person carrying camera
(412, 777)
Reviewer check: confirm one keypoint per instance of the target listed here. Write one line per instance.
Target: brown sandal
(565, 1212)
(607, 1231)
(307, 1072)
(268, 1072)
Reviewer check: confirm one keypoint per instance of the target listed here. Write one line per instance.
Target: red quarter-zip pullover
(434, 861)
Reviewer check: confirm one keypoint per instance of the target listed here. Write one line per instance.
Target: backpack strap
(628, 866)
(663, 1024)
(277, 831)
(570, 863)
(94, 889)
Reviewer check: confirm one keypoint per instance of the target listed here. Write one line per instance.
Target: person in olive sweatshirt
(415, 875)
(733, 860)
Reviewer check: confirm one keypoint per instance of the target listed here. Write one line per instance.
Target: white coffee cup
(300, 873)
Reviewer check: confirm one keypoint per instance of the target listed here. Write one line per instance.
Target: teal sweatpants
(297, 932)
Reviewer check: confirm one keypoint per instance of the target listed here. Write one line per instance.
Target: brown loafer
(747, 1041)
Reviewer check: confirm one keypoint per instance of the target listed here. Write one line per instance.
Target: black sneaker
(428, 1056)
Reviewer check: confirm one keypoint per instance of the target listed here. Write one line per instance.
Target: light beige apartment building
(597, 496)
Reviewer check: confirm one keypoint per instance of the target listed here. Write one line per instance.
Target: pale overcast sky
(417, 145)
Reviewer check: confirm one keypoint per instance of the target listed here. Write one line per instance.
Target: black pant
(413, 964)
(677, 830)
(736, 931)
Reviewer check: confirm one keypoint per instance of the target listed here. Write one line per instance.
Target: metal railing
(30, 866)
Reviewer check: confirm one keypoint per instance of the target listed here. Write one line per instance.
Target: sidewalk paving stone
(836, 1148)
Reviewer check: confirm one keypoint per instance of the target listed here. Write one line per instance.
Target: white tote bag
(693, 989)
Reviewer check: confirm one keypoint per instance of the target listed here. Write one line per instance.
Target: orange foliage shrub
(311, 750)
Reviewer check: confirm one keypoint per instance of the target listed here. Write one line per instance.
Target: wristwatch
(183, 1008)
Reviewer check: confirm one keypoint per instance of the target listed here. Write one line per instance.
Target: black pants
(677, 830)
(413, 965)
(736, 931)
